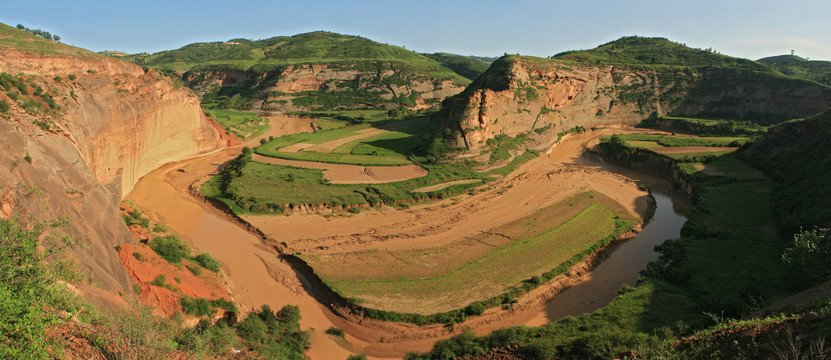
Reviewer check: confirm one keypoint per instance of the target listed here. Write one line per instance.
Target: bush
(71, 77)
(4, 106)
(170, 248)
(206, 261)
(25, 290)
(335, 332)
(197, 307)
(196, 270)
(356, 357)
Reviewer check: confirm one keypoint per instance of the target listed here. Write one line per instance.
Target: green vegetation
(31, 296)
(254, 187)
(795, 156)
(379, 68)
(206, 261)
(467, 66)
(815, 70)
(637, 50)
(38, 32)
(704, 127)
(20, 39)
(727, 262)
(558, 249)
(240, 123)
(392, 147)
(170, 248)
(336, 332)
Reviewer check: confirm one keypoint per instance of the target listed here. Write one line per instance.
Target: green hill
(636, 50)
(795, 155)
(467, 66)
(318, 73)
(816, 70)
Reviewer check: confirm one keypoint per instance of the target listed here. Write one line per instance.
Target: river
(257, 276)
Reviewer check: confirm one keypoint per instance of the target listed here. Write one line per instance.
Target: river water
(252, 267)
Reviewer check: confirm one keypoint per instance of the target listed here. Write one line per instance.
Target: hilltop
(637, 50)
(318, 72)
(816, 70)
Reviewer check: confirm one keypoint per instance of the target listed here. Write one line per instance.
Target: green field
(241, 123)
(266, 189)
(495, 272)
(390, 148)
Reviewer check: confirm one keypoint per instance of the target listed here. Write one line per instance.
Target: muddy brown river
(257, 276)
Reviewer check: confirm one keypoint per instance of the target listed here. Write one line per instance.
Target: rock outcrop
(520, 94)
(79, 132)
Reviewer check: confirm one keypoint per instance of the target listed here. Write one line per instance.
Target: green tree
(808, 256)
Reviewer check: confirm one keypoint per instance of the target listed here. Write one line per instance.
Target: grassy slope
(636, 50)
(816, 70)
(795, 155)
(467, 66)
(11, 37)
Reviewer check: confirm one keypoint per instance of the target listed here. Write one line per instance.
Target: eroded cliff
(79, 131)
(520, 94)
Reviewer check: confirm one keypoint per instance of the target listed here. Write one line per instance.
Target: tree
(20, 26)
(809, 254)
(56, 38)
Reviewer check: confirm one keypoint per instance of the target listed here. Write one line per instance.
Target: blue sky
(743, 28)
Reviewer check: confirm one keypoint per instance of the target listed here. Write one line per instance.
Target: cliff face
(366, 84)
(79, 132)
(519, 94)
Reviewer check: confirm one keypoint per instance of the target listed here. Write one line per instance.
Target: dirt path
(352, 174)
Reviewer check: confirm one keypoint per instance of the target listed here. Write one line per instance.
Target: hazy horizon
(741, 28)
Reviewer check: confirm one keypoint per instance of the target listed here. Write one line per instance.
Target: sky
(741, 28)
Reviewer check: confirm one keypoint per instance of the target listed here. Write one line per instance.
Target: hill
(816, 70)
(637, 50)
(315, 72)
(795, 155)
(624, 82)
(467, 66)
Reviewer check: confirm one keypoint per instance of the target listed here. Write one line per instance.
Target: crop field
(435, 279)
(241, 123)
(265, 188)
(387, 144)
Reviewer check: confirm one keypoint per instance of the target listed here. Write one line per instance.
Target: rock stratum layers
(107, 124)
(520, 94)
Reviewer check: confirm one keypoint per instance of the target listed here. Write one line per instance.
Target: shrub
(356, 357)
(196, 270)
(138, 256)
(170, 248)
(335, 332)
(159, 281)
(206, 261)
(4, 106)
(71, 77)
(354, 210)
(28, 158)
(224, 304)
(197, 307)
